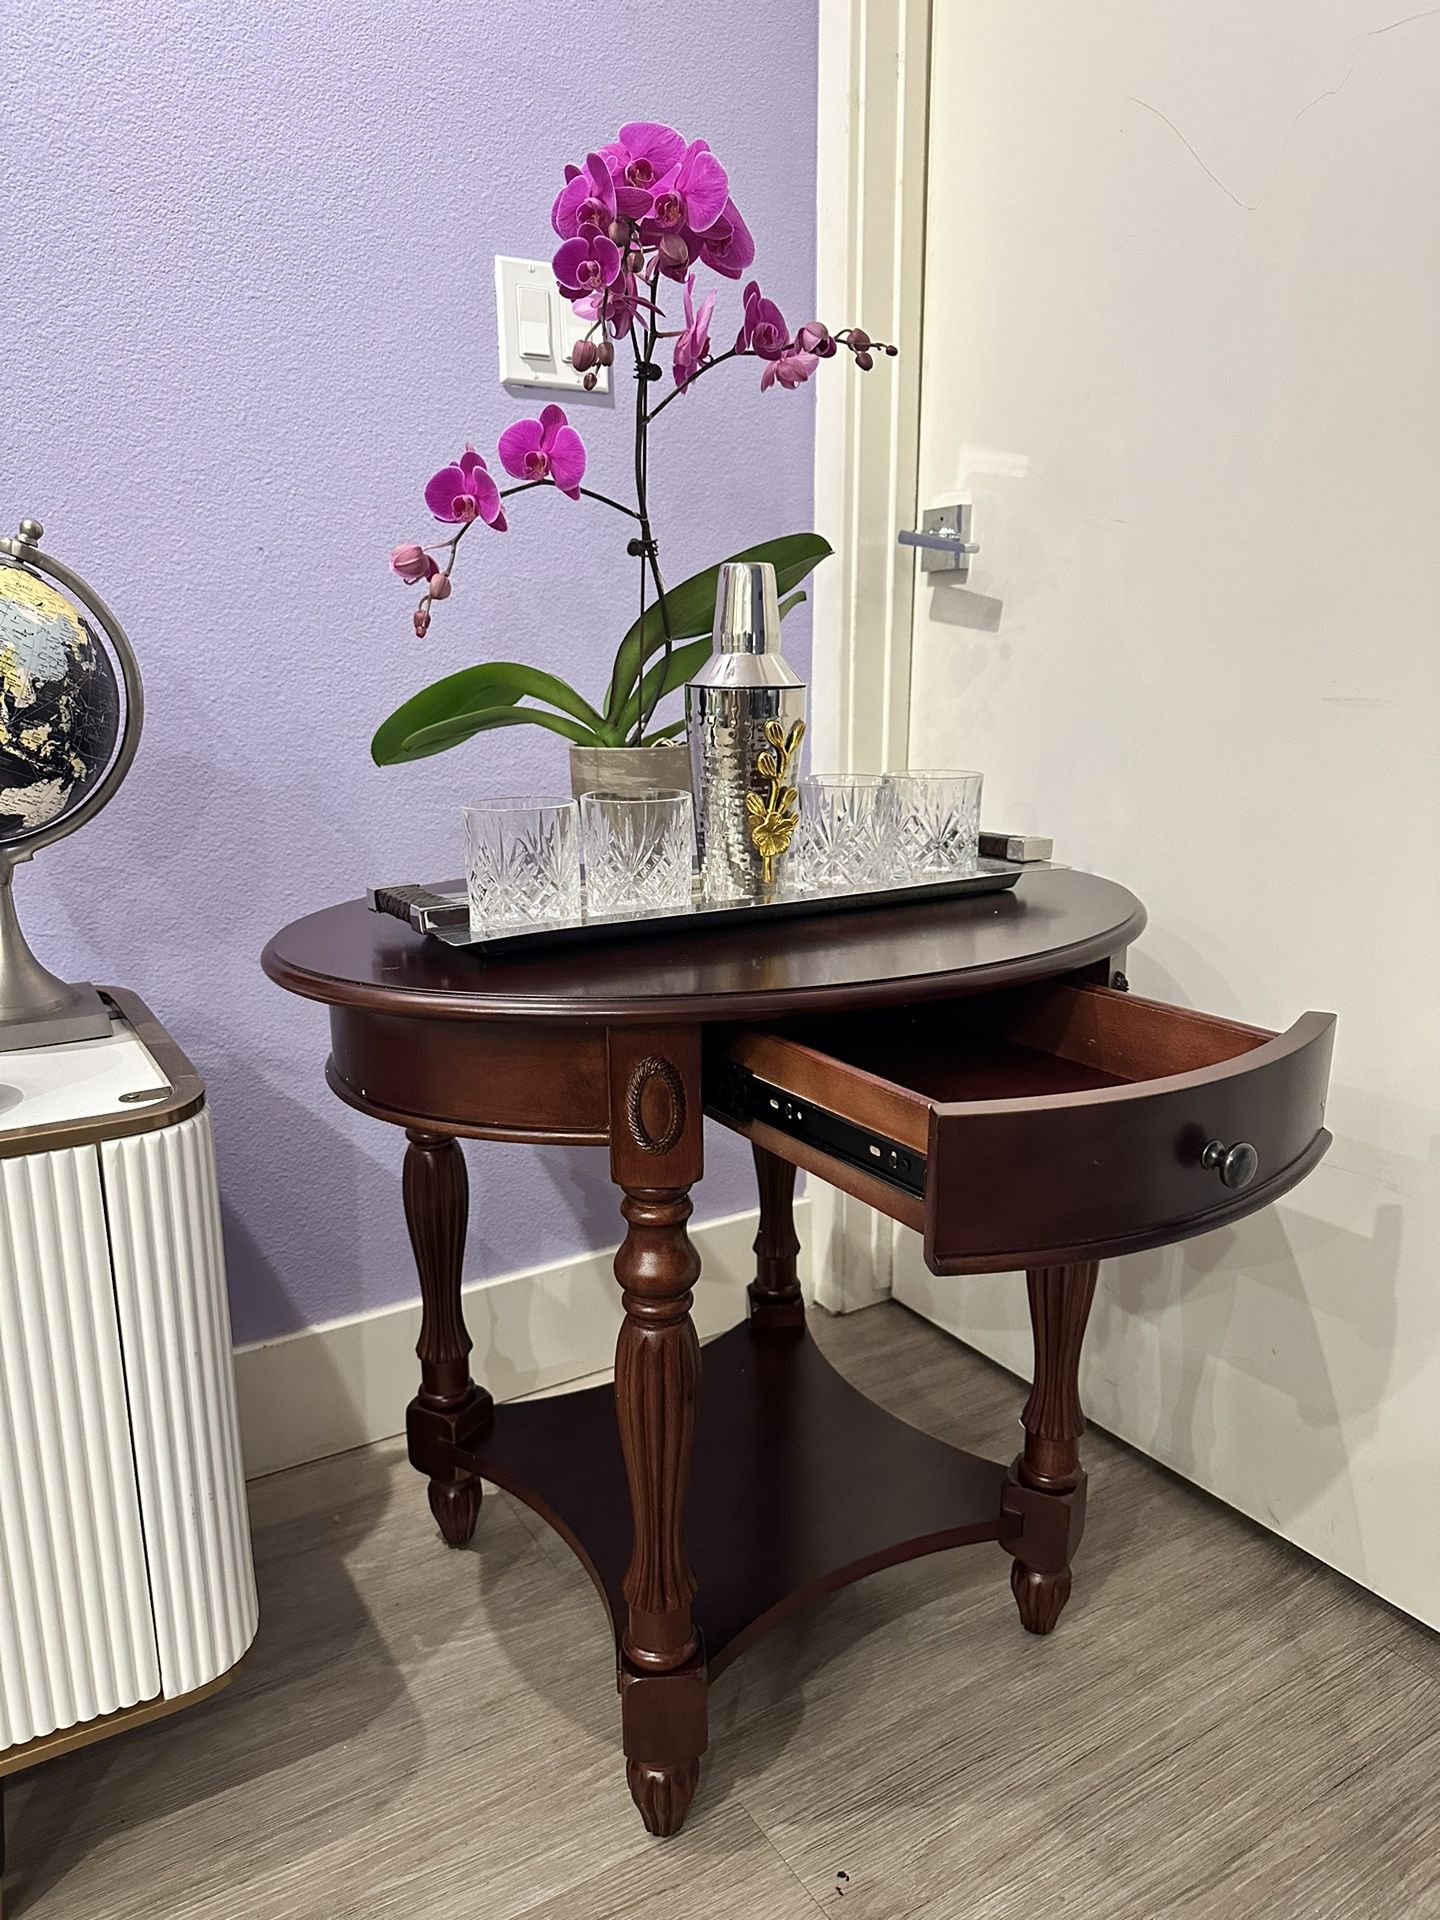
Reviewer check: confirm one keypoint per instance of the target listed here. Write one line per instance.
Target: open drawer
(1053, 1123)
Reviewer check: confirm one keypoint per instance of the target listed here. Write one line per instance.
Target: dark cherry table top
(1056, 920)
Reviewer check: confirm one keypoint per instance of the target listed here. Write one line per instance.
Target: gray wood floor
(1219, 1727)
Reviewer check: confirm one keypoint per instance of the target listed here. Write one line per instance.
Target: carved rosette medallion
(655, 1105)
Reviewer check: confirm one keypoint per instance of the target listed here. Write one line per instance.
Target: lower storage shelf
(799, 1485)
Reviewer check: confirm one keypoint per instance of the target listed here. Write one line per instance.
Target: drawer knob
(1237, 1165)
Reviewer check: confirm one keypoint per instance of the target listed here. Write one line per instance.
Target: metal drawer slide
(734, 1093)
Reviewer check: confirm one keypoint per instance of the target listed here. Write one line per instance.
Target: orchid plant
(650, 208)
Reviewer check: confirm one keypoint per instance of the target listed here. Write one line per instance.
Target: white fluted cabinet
(126, 1583)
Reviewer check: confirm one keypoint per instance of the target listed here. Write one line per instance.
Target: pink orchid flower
(692, 347)
(587, 263)
(792, 368)
(545, 449)
(587, 200)
(620, 302)
(694, 195)
(726, 245)
(466, 490)
(763, 329)
(640, 155)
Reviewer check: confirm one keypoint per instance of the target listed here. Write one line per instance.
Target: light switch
(572, 328)
(537, 328)
(534, 320)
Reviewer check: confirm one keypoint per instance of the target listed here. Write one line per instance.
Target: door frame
(871, 152)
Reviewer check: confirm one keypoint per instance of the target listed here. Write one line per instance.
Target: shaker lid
(746, 652)
(747, 608)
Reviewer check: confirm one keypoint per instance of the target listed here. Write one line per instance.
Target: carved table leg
(655, 1157)
(449, 1408)
(775, 1297)
(657, 1372)
(1049, 1466)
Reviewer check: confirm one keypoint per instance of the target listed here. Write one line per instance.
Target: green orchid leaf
(457, 692)
(789, 604)
(475, 689)
(450, 733)
(691, 608)
(666, 676)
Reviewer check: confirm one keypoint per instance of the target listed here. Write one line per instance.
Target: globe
(59, 705)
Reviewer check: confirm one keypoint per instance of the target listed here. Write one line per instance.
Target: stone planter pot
(628, 769)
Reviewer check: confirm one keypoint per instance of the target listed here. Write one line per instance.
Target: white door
(1182, 306)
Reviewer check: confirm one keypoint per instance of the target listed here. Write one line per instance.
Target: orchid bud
(673, 255)
(620, 232)
(584, 354)
(857, 338)
(864, 360)
(815, 337)
(440, 587)
(410, 562)
(588, 383)
(635, 261)
(422, 622)
(891, 352)
(605, 353)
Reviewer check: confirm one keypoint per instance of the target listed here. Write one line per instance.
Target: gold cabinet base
(50, 1746)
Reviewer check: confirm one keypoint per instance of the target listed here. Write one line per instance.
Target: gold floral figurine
(773, 821)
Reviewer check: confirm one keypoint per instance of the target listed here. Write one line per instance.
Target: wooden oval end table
(972, 1068)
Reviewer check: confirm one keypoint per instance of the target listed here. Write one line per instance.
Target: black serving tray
(442, 912)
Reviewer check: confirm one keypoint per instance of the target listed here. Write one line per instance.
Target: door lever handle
(938, 542)
(944, 539)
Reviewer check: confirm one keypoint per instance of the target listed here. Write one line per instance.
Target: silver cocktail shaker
(744, 685)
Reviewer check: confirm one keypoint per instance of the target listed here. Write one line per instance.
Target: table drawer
(1055, 1122)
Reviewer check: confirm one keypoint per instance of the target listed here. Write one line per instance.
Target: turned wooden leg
(1051, 1481)
(449, 1408)
(775, 1297)
(657, 1374)
(655, 1155)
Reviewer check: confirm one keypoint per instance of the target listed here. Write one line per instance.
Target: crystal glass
(522, 863)
(844, 842)
(937, 824)
(637, 850)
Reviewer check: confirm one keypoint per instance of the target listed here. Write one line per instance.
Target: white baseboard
(344, 1384)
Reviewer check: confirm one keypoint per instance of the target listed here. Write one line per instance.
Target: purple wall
(246, 309)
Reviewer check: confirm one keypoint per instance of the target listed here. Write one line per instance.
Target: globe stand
(37, 1008)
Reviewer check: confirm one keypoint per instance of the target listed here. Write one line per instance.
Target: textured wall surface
(246, 310)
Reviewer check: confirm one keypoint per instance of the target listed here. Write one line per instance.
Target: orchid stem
(645, 713)
(649, 561)
(527, 486)
(732, 353)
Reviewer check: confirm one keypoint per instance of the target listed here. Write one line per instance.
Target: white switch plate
(537, 328)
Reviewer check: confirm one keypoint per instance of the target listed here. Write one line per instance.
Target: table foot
(663, 1794)
(663, 1717)
(1048, 1480)
(456, 1507)
(1039, 1596)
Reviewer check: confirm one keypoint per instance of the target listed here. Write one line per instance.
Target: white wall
(1183, 306)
